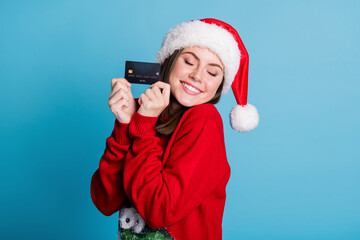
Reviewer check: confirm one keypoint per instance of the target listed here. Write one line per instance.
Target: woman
(165, 165)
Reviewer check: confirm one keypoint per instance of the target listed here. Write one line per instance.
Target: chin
(187, 100)
(186, 103)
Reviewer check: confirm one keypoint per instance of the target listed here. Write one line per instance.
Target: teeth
(190, 88)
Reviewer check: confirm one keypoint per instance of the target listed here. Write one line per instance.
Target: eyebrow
(211, 64)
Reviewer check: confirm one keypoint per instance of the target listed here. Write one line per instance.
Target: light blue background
(296, 176)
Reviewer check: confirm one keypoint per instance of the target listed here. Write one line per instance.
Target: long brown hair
(167, 126)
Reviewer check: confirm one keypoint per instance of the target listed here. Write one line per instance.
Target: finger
(160, 84)
(126, 82)
(130, 93)
(118, 86)
(120, 104)
(127, 89)
(143, 99)
(165, 87)
(166, 92)
(123, 80)
(120, 94)
(150, 94)
(157, 92)
(117, 96)
(114, 81)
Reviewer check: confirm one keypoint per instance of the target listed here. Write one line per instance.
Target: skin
(121, 101)
(199, 68)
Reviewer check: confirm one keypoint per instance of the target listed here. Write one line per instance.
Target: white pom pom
(139, 223)
(127, 218)
(244, 118)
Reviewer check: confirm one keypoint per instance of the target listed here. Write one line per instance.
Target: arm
(196, 165)
(107, 190)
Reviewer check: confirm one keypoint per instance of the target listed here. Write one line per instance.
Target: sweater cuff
(142, 125)
(120, 133)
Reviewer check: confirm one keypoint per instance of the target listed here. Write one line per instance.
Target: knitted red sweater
(176, 183)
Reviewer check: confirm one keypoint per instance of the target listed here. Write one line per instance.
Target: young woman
(164, 167)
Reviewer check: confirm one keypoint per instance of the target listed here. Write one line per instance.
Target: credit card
(142, 72)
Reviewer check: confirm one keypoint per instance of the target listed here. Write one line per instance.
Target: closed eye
(212, 74)
(187, 62)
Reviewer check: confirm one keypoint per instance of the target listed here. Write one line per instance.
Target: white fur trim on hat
(244, 118)
(211, 36)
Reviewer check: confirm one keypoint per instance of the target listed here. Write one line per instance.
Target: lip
(187, 90)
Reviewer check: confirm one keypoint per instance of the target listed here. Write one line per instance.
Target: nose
(195, 75)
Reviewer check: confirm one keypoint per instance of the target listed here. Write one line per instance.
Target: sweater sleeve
(107, 190)
(164, 194)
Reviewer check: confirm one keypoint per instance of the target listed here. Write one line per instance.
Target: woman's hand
(121, 100)
(154, 101)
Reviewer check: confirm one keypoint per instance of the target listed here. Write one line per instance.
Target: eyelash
(212, 74)
(188, 63)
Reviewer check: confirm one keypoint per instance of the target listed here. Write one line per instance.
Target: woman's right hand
(121, 100)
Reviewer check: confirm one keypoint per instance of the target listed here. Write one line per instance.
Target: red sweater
(177, 183)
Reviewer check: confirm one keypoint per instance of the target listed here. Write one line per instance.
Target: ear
(139, 223)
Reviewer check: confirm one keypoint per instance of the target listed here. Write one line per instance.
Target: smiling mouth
(191, 89)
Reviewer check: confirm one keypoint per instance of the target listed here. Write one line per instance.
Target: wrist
(147, 113)
(123, 121)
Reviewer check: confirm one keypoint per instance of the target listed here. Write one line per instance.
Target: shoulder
(203, 111)
(201, 116)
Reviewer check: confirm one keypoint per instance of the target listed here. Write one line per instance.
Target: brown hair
(167, 127)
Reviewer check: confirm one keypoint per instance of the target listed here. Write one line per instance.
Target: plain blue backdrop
(297, 176)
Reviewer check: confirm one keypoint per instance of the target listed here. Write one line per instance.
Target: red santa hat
(223, 40)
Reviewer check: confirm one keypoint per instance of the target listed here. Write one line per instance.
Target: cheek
(180, 69)
(174, 83)
(172, 80)
(177, 73)
(213, 87)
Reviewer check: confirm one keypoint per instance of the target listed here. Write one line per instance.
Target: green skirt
(151, 234)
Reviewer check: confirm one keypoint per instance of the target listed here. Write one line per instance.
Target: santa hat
(223, 40)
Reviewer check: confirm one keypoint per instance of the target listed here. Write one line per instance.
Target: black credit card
(142, 72)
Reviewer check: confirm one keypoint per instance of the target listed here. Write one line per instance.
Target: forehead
(204, 54)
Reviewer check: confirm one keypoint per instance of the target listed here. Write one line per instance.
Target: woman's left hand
(154, 101)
